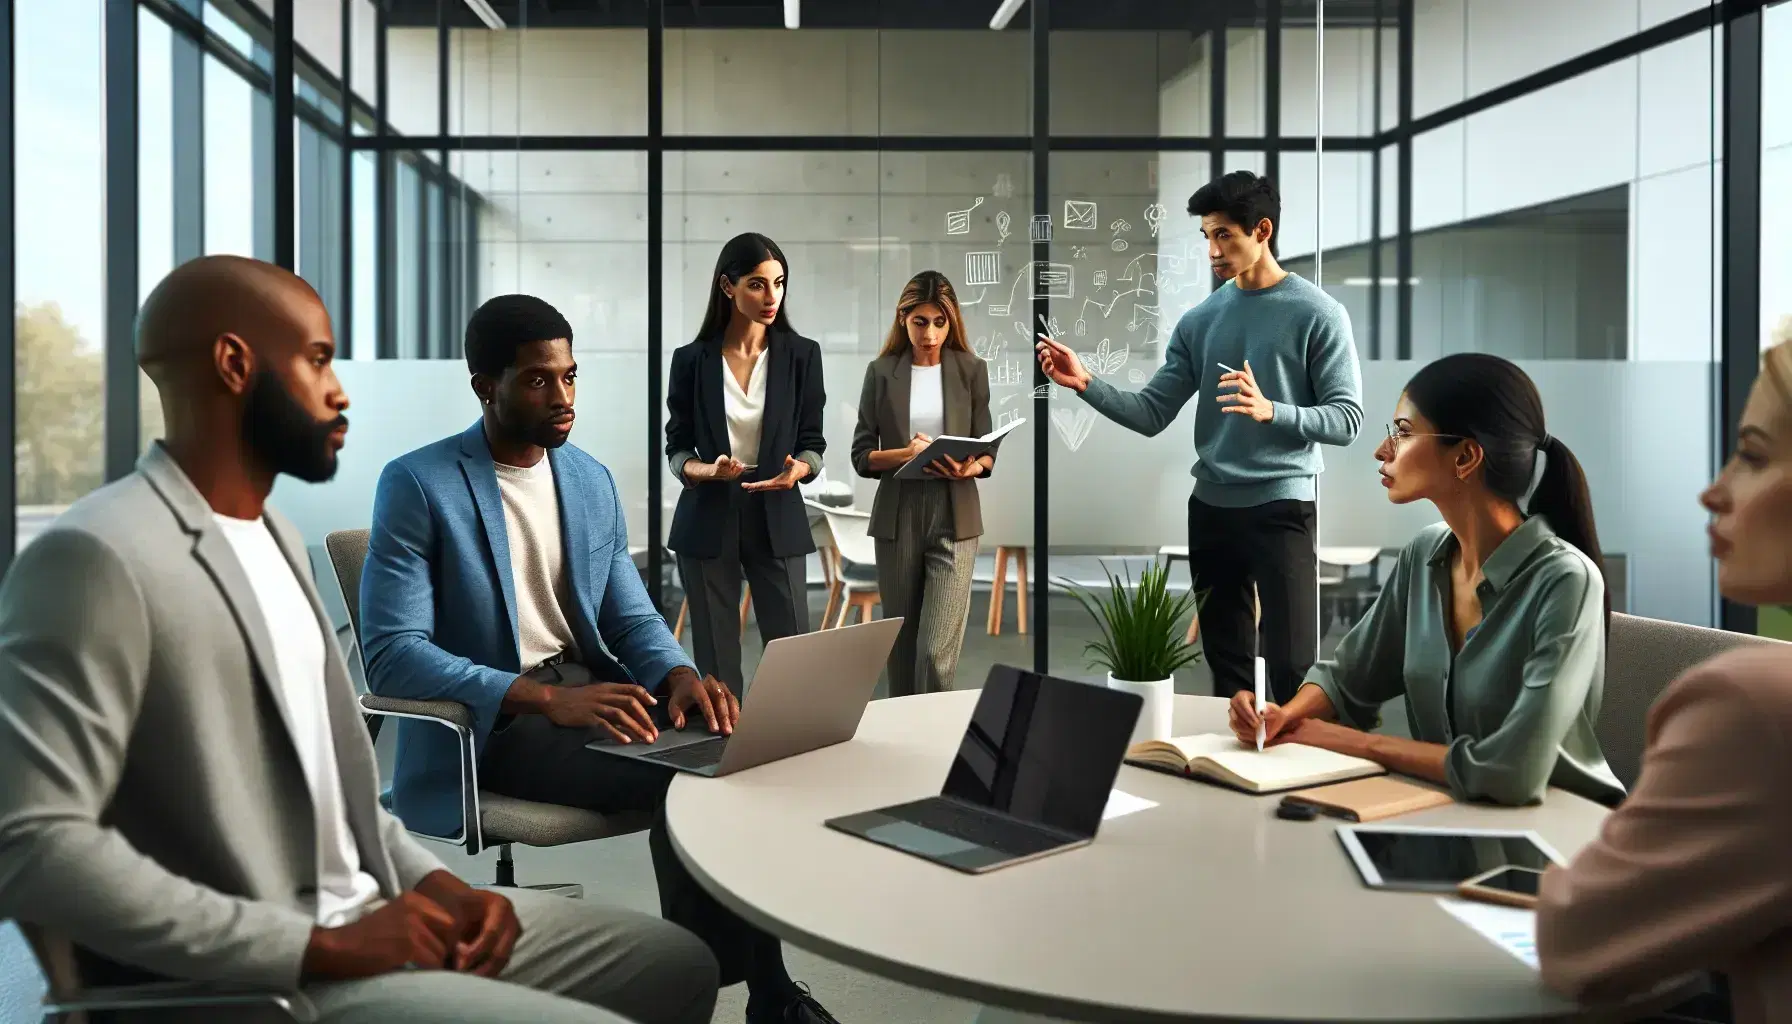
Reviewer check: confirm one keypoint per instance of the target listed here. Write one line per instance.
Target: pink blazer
(1694, 870)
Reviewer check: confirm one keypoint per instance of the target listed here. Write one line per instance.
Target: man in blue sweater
(1276, 353)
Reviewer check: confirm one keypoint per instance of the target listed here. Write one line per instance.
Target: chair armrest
(177, 995)
(449, 712)
(458, 717)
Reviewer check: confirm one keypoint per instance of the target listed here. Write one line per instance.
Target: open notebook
(1220, 758)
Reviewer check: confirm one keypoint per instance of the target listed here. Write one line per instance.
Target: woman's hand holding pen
(795, 470)
(916, 445)
(1243, 717)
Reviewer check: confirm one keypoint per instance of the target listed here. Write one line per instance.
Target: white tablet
(1439, 859)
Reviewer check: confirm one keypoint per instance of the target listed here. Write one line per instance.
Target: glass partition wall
(1450, 171)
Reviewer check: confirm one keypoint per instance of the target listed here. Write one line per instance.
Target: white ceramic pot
(1154, 717)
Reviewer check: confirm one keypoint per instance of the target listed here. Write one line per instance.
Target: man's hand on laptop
(412, 930)
(619, 709)
(686, 690)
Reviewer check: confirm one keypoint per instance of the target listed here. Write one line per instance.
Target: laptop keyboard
(985, 828)
(706, 754)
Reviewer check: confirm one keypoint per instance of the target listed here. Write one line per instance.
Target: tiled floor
(618, 870)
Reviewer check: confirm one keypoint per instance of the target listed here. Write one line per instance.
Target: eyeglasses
(1396, 436)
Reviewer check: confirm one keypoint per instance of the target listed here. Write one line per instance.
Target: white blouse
(745, 409)
(926, 401)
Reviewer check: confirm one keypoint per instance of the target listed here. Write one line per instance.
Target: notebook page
(1283, 763)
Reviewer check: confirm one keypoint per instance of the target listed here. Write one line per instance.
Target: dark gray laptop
(1031, 778)
(809, 692)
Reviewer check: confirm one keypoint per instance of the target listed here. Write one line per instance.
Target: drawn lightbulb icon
(1154, 215)
(1002, 222)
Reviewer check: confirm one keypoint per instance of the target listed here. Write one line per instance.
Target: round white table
(1204, 908)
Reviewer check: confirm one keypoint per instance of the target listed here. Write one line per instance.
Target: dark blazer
(883, 424)
(697, 428)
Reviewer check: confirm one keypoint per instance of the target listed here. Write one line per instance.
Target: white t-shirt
(926, 402)
(343, 889)
(537, 562)
(745, 409)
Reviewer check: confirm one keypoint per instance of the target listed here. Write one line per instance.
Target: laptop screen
(1043, 749)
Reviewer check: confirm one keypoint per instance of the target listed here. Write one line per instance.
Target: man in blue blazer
(499, 575)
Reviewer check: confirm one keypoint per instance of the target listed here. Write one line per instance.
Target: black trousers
(531, 758)
(1270, 547)
(712, 586)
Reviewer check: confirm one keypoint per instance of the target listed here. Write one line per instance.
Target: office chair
(487, 819)
(1642, 657)
(67, 999)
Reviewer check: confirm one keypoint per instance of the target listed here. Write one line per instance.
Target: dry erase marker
(1260, 695)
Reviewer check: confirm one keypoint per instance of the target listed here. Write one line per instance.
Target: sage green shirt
(1516, 705)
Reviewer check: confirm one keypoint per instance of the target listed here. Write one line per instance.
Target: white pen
(1224, 367)
(1260, 695)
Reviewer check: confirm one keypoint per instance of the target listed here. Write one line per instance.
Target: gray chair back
(1641, 659)
(348, 555)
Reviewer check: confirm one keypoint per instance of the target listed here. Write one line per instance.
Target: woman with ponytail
(1493, 623)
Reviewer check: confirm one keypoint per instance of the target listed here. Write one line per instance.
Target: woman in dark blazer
(744, 408)
(924, 383)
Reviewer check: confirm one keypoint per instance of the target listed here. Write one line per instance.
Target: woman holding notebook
(1691, 873)
(925, 383)
(1493, 623)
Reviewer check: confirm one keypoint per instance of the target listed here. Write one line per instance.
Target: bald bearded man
(190, 793)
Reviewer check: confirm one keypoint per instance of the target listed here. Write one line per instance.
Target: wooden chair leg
(1020, 591)
(997, 588)
(827, 613)
(684, 608)
(865, 608)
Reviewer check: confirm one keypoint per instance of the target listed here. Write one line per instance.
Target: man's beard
(541, 433)
(284, 436)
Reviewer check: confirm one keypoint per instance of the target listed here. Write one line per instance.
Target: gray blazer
(153, 810)
(883, 424)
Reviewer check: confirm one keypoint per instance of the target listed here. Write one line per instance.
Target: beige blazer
(883, 424)
(154, 811)
(1693, 871)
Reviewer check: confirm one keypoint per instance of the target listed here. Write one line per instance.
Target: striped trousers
(924, 575)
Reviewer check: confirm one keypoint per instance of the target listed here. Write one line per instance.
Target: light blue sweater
(1298, 341)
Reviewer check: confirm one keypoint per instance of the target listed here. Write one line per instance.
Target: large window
(59, 322)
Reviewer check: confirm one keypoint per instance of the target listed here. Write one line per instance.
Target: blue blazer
(438, 605)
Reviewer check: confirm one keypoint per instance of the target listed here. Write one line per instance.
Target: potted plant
(1143, 641)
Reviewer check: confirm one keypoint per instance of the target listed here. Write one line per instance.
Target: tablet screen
(1439, 861)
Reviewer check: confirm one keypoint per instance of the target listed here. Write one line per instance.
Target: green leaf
(1143, 626)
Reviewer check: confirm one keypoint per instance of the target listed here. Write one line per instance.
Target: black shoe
(798, 1007)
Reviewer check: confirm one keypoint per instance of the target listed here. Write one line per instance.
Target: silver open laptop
(809, 692)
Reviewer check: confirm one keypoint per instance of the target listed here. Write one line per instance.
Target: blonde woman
(926, 382)
(1691, 872)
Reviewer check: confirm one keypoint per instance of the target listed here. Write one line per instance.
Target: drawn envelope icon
(1079, 215)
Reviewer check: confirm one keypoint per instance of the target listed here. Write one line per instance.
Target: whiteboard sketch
(976, 301)
(1025, 332)
(1118, 244)
(998, 309)
(958, 222)
(1073, 424)
(1142, 316)
(1002, 222)
(1079, 252)
(990, 349)
(1105, 361)
(1006, 417)
(1046, 391)
(1007, 373)
(982, 268)
(1100, 279)
(1080, 215)
(1039, 229)
(1154, 215)
(1053, 280)
(1082, 326)
(1004, 188)
(1137, 376)
(1120, 226)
